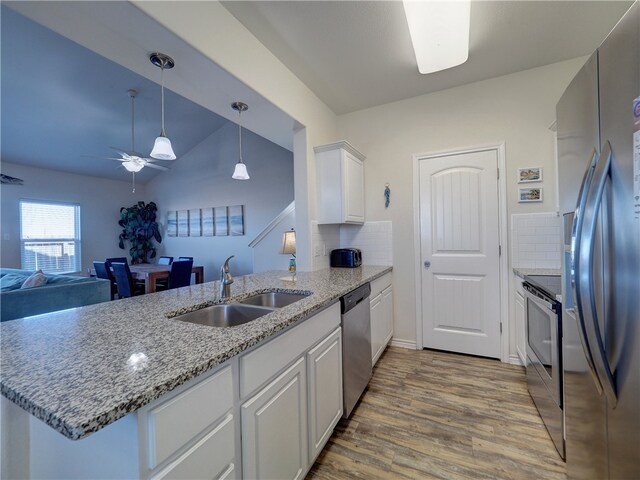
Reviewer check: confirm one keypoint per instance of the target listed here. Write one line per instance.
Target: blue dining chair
(103, 270)
(180, 274)
(124, 280)
(165, 260)
(118, 259)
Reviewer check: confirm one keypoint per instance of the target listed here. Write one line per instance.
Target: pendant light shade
(240, 172)
(162, 149)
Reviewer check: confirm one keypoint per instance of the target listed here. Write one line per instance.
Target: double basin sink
(234, 314)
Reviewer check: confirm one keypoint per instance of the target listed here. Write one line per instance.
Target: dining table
(150, 273)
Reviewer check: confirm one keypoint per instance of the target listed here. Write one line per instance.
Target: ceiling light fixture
(439, 32)
(240, 172)
(162, 147)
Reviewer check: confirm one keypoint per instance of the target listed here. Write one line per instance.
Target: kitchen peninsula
(83, 369)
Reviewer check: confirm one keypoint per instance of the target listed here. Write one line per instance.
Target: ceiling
(63, 105)
(358, 54)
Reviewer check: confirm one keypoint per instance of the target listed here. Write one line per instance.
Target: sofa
(59, 293)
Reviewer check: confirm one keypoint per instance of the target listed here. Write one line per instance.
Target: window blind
(50, 236)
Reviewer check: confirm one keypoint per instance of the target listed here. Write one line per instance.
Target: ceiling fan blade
(103, 158)
(157, 167)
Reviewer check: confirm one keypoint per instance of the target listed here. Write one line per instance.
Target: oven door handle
(576, 245)
(536, 297)
(584, 274)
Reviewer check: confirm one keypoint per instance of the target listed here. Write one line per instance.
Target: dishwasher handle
(354, 297)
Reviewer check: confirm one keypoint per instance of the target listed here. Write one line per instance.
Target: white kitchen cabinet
(520, 320)
(274, 428)
(340, 183)
(381, 315)
(324, 374)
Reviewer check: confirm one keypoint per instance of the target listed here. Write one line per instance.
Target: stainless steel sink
(230, 315)
(274, 299)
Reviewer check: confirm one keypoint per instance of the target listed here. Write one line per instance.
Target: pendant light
(162, 147)
(240, 172)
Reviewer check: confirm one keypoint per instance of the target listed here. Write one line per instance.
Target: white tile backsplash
(375, 239)
(535, 240)
(324, 238)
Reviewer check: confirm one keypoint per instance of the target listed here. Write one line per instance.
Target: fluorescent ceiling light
(439, 32)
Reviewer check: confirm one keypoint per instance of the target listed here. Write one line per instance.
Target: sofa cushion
(36, 279)
(60, 279)
(11, 281)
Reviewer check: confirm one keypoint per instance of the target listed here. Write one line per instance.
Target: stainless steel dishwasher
(356, 345)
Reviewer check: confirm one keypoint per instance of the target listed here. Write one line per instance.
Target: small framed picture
(526, 195)
(530, 174)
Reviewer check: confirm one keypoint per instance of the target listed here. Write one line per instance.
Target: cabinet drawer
(260, 365)
(175, 422)
(379, 284)
(212, 457)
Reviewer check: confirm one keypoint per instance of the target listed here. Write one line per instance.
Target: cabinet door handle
(427, 264)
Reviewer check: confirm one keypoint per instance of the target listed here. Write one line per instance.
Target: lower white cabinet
(212, 457)
(324, 374)
(274, 428)
(381, 315)
(521, 322)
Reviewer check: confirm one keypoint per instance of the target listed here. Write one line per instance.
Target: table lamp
(289, 248)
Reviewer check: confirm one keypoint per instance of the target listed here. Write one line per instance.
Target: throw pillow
(11, 281)
(36, 279)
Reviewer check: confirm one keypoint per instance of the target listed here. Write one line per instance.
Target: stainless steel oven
(544, 352)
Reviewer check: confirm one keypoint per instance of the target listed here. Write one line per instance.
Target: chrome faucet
(225, 279)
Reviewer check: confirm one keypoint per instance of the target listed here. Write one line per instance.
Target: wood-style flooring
(429, 414)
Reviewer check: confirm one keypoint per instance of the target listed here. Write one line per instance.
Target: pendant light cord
(133, 114)
(240, 132)
(162, 134)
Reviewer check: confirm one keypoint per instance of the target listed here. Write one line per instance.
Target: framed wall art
(526, 195)
(236, 220)
(183, 223)
(221, 222)
(172, 223)
(530, 174)
(207, 222)
(195, 229)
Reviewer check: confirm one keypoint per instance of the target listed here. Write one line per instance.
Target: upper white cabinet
(340, 183)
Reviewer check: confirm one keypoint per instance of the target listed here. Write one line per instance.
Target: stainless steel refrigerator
(598, 120)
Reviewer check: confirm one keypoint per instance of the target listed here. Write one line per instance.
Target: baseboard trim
(514, 359)
(398, 342)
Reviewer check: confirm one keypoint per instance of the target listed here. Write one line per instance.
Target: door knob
(427, 264)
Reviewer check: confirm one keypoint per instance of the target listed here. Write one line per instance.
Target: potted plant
(140, 228)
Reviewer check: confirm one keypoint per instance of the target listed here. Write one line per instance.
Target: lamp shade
(240, 172)
(289, 243)
(133, 166)
(162, 149)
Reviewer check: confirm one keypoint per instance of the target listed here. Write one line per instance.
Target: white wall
(266, 253)
(202, 178)
(100, 201)
(516, 109)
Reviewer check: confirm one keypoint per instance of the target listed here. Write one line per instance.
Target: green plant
(140, 228)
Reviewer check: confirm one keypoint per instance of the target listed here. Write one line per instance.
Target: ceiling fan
(131, 160)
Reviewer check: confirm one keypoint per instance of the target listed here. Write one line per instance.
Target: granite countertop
(521, 272)
(81, 369)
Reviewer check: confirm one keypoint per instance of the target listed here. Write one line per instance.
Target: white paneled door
(459, 251)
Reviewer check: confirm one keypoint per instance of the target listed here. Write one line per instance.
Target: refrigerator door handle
(576, 244)
(584, 273)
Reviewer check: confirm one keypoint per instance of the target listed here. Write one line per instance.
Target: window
(50, 236)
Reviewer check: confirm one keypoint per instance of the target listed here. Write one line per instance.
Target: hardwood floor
(429, 414)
